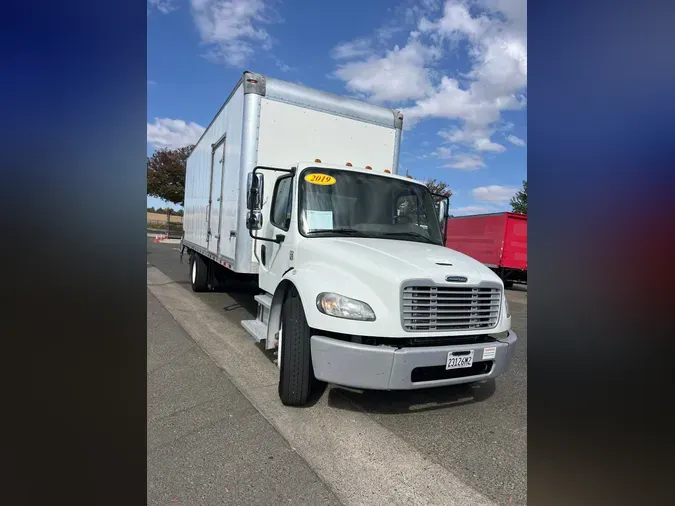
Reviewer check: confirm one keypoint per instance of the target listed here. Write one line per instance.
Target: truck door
(275, 257)
(216, 196)
(229, 207)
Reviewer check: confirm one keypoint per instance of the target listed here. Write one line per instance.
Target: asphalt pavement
(207, 444)
(475, 434)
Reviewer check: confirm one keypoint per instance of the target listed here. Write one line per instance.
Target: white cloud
(456, 18)
(461, 161)
(172, 133)
(496, 82)
(232, 28)
(465, 161)
(494, 193)
(163, 6)
(284, 67)
(352, 49)
(443, 152)
(466, 210)
(452, 102)
(475, 136)
(398, 76)
(498, 49)
(516, 141)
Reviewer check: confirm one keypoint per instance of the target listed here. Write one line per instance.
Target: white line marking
(361, 461)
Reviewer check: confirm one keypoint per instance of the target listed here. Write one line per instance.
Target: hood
(395, 260)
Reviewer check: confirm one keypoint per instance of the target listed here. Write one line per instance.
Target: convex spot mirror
(254, 220)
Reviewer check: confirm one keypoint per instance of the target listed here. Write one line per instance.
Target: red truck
(498, 240)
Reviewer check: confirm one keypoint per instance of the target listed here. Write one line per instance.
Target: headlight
(506, 307)
(339, 306)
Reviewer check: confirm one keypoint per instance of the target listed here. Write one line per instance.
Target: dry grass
(161, 218)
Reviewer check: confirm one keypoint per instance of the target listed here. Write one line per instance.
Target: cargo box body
(273, 123)
(497, 240)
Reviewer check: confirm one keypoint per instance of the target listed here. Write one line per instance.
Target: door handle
(262, 254)
(233, 233)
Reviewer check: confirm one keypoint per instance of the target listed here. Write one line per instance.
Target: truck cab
(358, 288)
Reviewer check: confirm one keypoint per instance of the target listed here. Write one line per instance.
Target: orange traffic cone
(156, 238)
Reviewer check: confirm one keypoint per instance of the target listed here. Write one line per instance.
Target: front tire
(198, 273)
(296, 376)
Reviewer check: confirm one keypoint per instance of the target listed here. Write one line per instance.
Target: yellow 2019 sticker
(319, 179)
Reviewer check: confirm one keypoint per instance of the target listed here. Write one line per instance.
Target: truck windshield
(345, 203)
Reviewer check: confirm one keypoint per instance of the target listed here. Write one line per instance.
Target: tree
(437, 187)
(409, 206)
(519, 200)
(166, 174)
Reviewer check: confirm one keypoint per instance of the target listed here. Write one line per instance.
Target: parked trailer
(297, 190)
(498, 240)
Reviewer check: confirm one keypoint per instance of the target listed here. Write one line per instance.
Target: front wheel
(296, 376)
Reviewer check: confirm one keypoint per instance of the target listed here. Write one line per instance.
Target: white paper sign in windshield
(320, 220)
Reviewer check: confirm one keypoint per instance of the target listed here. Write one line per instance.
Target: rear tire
(198, 273)
(296, 376)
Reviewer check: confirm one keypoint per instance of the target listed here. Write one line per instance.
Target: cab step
(256, 328)
(264, 299)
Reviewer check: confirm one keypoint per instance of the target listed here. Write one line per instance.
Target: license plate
(459, 361)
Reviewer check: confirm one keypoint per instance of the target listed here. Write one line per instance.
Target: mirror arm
(256, 238)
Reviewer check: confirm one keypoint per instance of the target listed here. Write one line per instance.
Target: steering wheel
(398, 217)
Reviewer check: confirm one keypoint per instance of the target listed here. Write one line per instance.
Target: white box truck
(298, 189)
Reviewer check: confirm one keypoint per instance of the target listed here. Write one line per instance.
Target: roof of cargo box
(310, 98)
(304, 96)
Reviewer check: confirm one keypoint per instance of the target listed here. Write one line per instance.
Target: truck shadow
(172, 282)
(243, 295)
(517, 287)
(409, 401)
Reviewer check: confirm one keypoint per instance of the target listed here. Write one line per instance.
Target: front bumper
(388, 368)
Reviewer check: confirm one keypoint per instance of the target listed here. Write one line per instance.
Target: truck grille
(443, 308)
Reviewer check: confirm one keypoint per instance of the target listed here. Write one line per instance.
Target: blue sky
(457, 69)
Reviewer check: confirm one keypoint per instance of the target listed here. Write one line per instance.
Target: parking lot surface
(477, 434)
(206, 443)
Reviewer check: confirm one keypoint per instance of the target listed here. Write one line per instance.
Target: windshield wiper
(410, 234)
(340, 231)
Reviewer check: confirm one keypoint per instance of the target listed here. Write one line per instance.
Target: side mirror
(442, 210)
(442, 206)
(254, 220)
(254, 192)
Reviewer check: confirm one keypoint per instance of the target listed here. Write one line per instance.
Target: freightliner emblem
(456, 279)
